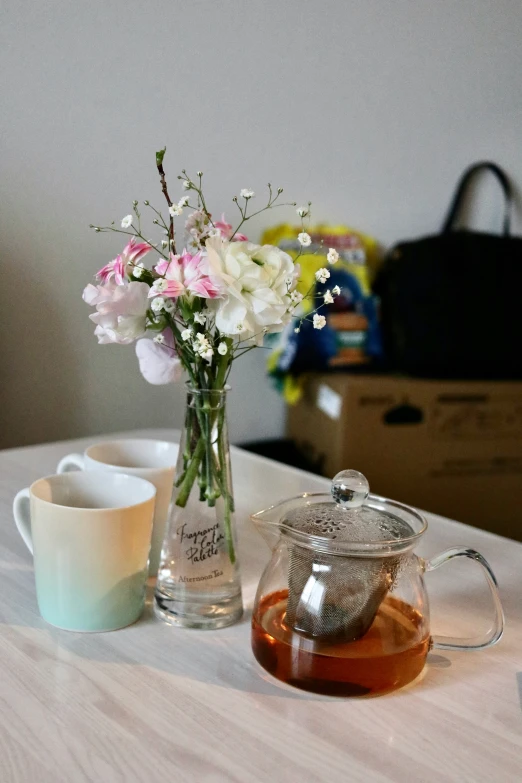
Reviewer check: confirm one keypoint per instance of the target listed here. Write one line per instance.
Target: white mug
(89, 534)
(153, 460)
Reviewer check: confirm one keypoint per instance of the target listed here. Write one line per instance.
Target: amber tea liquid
(391, 654)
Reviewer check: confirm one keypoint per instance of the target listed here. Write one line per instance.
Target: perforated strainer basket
(333, 592)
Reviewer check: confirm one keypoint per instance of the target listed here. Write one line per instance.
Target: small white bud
(332, 256)
(157, 304)
(322, 275)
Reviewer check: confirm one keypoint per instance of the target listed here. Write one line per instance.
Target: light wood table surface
(156, 703)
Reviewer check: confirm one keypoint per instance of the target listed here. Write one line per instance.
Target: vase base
(194, 613)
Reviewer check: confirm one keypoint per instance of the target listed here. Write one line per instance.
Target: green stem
(192, 472)
(227, 497)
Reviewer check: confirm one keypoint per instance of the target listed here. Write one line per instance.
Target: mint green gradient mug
(89, 534)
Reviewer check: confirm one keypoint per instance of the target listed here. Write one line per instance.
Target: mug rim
(100, 474)
(116, 441)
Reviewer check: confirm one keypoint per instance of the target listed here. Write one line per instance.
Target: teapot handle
(495, 632)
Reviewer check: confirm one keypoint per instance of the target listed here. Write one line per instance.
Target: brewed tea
(391, 654)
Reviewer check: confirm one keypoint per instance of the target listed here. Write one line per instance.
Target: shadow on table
(221, 658)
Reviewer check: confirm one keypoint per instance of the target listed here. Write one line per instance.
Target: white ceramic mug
(153, 460)
(89, 534)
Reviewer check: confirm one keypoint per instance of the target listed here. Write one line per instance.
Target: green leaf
(160, 155)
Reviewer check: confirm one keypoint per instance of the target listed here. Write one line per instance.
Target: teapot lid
(348, 518)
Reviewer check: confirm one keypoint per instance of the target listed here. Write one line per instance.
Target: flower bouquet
(202, 303)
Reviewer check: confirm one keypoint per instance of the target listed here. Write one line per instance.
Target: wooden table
(155, 703)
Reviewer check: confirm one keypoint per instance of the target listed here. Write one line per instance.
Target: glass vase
(198, 583)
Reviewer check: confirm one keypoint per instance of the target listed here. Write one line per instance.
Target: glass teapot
(341, 608)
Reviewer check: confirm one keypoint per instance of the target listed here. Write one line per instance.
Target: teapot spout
(268, 523)
(271, 521)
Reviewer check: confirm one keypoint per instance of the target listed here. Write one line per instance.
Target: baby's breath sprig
(327, 296)
(189, 184)
(247, 194)
(136, 232)
(160, 220)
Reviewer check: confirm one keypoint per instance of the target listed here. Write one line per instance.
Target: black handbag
(451, 303)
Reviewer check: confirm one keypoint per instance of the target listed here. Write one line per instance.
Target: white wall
(369, 108)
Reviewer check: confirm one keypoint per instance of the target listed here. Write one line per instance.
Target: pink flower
(132, 253)
(162, 266)
(184, 274)
(120, 311)
(159, 364)
(225, 229)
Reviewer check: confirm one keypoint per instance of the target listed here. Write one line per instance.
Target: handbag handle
(463, 186)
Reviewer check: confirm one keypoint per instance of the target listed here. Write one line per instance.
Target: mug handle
(71, 462)
(22, 516)
(495, 632)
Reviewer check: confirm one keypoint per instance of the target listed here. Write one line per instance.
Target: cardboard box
(451, 447)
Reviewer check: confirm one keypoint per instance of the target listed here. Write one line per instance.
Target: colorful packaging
(351, 336)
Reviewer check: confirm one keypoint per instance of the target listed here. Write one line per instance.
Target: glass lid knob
(350, 489)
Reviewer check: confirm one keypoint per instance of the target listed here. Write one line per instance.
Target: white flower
(304, 239)
(202, 347)
(159, 286)
(187, 184)
(175, 210)
(253, 281)
(183, 201)
(246, 193)
(159, 339)
(186, 334)
(332, 255)
(322, 275)
(297, 329)
(159, 363)
(319, 321)
(169, 305)
(296, 297)
(202, 342)
(199, 173)
(200, 318)
(164, 243)
(157, 304)
(328, 298)
(222, 349)
(127, 221)
(198, 225)
(138, 270)
(121, 311)
(336, 290)
(302, 211)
